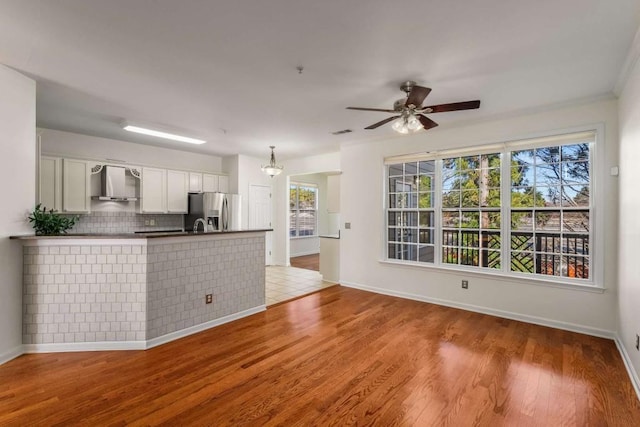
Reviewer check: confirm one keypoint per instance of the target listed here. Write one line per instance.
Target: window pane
(449, 255)
(470, 220)
(426, 219)
(577, 244)
(522, 157)
(575, 152)
(577, 222)
(395, 251)
(522, 241)
(450, 237)
(548, 220)
(427, 167)
(522, 220)
(395, 170)
(451, 199)
(575, 266)
(548, 196)
(426, 200)
(426, 253)
(451, 219)
(522, 262)
(470, 198)
(426, 235)
(547, 155)
(522, 198)
(490, 220)
(575, 172)
(411, 168)
(410, 219)
(425, 183)
(410, 235)
(575, 195)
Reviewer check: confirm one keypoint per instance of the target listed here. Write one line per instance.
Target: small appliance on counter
(220, 211)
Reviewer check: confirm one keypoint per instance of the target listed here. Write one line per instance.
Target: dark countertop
(150, 235)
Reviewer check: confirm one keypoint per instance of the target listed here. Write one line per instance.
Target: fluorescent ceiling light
(161, 134)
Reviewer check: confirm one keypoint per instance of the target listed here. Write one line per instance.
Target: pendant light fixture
(272, 169)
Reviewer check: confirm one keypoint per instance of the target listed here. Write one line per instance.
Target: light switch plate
(347, 226)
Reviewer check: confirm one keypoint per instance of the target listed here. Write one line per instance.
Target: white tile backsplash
(124, 222)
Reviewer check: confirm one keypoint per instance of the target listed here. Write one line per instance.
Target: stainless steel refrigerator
(222, 212)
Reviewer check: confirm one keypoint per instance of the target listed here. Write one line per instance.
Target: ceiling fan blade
(382, 122)
(372, 109)
(454, 106)
(417, 95)
(426, 122)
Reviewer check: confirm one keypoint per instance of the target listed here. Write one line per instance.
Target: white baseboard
(602, 333)
(127, 345)
(83, 346)
(11, 354)
(203, 326)
(627, 364)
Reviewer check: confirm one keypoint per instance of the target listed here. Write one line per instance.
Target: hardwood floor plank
(340, 356)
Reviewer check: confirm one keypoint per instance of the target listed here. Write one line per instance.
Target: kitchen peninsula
(136, 291)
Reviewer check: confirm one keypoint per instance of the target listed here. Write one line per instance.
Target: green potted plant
(49, 223)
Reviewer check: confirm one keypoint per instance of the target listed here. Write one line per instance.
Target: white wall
(18, 177)
(362, 189)
(629, 230)
(299, 246)
(307, 165)
(80, 146)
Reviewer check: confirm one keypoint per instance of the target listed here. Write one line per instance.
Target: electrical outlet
(146, 222)
(637, 342)
(465, 284)
(347, 226)
(208, 299)
(152, 222)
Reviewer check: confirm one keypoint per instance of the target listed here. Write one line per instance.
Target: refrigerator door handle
(225, 214)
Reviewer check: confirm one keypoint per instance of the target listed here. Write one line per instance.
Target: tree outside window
(303, 207)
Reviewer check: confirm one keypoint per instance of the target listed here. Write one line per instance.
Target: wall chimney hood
(113, 185)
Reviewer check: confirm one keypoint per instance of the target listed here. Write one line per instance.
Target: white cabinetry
(195, 182)
(178, 186)
(75, 186)
(209, 183)
(50, 183)
(153, 191)
(223, 184)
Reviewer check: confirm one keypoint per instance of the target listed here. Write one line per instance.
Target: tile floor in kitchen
(285, 283)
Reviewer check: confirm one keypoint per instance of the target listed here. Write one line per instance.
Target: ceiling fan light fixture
(272, 169)
(413, 123)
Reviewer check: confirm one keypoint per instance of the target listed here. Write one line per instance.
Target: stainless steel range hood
(113, 186)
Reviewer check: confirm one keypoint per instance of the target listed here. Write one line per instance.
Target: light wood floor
(308, 262)
(336, 357)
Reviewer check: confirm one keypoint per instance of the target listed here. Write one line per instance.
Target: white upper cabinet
(75, 186)
(153, 191)
(178, 186)
(195, 182)
(223, 183)
(209, 183)
(50, 183)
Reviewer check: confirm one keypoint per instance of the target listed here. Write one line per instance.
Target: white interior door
(260, 214)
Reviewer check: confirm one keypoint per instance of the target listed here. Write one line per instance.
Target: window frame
(297, 210)
(595, 282)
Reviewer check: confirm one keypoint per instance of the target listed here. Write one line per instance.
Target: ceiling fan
(410, 114)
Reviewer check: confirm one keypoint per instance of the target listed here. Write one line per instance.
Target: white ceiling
(226, 70)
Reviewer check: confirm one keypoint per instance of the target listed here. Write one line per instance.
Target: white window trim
(596, 282)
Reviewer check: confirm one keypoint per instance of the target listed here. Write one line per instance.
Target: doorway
(260, 215)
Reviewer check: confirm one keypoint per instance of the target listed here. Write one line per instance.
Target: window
(471, 210)
(303, 206)
(523, 209)
(411, 213)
